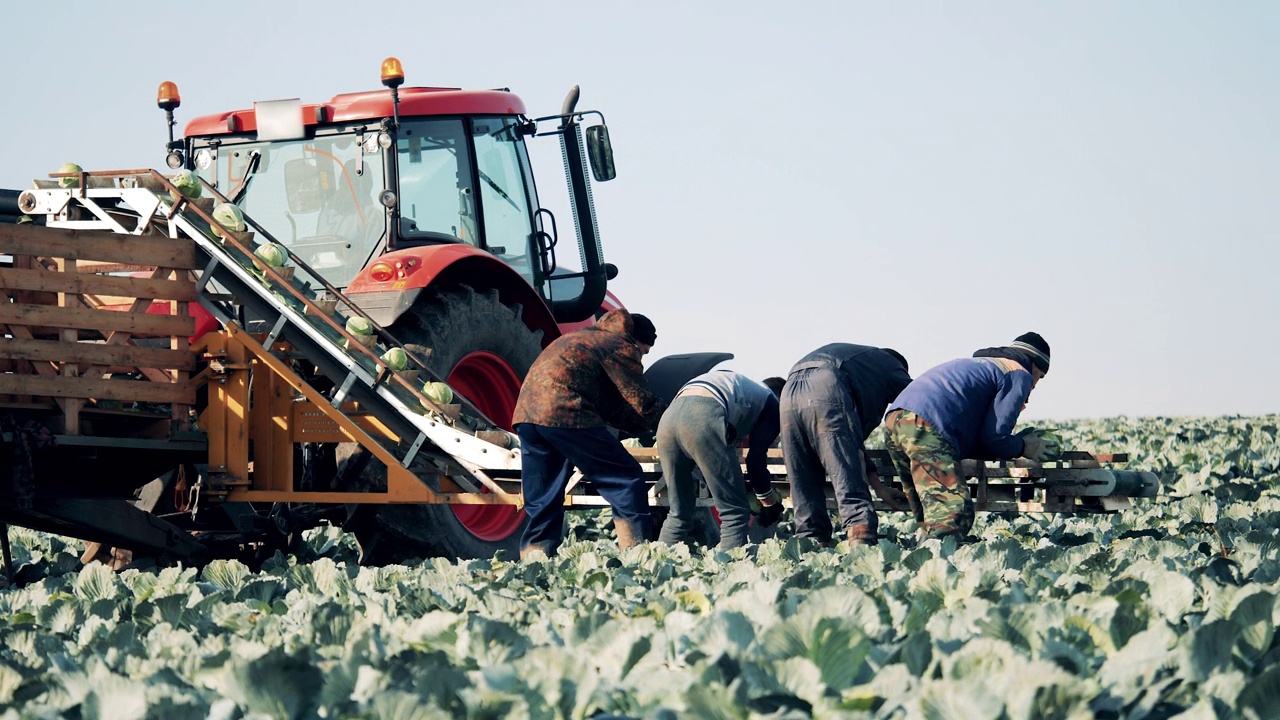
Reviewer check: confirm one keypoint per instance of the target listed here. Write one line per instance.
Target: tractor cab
(365, 188)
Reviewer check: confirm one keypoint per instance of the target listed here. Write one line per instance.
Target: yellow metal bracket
(272, 420)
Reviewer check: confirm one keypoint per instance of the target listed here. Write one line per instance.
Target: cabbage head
(438, 392)
(359, 326)
(70, 182)
(272, 254)
(396, 359)
(230, 216)
(187, 183)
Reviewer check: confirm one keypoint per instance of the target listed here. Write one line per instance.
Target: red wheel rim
(715, 514)
(488, 381)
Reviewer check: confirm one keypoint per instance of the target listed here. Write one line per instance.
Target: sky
(935, 177)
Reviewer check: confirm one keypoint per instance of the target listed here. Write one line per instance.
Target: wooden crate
(96, 325)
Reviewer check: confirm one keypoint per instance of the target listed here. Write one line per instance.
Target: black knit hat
(775, 384)
(642, 330)
(1035, 346)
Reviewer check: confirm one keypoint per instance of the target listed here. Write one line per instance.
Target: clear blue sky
(934, 176)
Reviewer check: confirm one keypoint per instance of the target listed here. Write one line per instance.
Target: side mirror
(600, 153)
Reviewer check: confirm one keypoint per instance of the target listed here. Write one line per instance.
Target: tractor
(417, 206)
(420, 205)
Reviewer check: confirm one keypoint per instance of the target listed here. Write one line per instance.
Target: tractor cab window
(437, 201)
(445, 196)
(506, 192)
(318, 196)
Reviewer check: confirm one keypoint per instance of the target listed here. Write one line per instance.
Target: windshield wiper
(249, 171)
(498, 190)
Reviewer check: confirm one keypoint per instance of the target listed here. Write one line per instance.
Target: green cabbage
(272, 254)
(359, 326)
(396, 359)
(230, 216)
(1165, 609)
(438, 392)
(70, 182)
(187, 183)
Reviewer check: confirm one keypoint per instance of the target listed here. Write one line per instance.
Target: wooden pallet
(94, 330)
(1070, 485)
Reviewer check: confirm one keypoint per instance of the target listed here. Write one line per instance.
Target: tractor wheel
(482, 349)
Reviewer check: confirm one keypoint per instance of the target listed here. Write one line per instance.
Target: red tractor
(420, 204)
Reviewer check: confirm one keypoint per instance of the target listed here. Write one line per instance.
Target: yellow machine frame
(251, 440)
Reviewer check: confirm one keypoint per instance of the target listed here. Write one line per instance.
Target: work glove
(1040, 445)
(890, 495)
(769, 514)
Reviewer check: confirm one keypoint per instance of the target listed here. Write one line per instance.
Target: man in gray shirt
(708, 419)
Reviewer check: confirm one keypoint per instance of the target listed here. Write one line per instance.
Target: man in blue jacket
(833, 400)
(964, 408)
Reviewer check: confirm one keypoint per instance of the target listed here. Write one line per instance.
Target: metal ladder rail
(466, 407)
(363, 384)
(366, 385)
(355, 382)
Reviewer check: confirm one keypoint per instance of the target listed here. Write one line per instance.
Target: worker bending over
(833, 400)
(964, 408)
(709, 418)
(582, 382)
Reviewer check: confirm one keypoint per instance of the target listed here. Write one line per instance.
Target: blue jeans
(547, 458)
(822, 437)
(692, 432)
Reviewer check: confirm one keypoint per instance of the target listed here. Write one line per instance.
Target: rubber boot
(861, 535)
(626, 534)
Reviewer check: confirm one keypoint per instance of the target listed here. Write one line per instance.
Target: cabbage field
(1166, 610)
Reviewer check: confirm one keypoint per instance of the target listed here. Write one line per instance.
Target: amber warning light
(392, 72)
(168, 99)
(167, 96)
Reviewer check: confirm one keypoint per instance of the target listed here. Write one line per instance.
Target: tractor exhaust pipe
(570, 101)
(594, 271)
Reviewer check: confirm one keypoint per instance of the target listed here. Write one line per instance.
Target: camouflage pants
(927, 464)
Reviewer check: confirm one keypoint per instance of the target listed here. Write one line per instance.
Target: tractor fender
(427, 266)
(205, 322)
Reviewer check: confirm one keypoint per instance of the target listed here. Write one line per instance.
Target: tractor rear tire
(483, 349)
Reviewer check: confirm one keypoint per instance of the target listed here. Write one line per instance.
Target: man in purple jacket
(964, 408)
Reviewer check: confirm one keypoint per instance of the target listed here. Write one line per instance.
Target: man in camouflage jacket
(582, 382)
